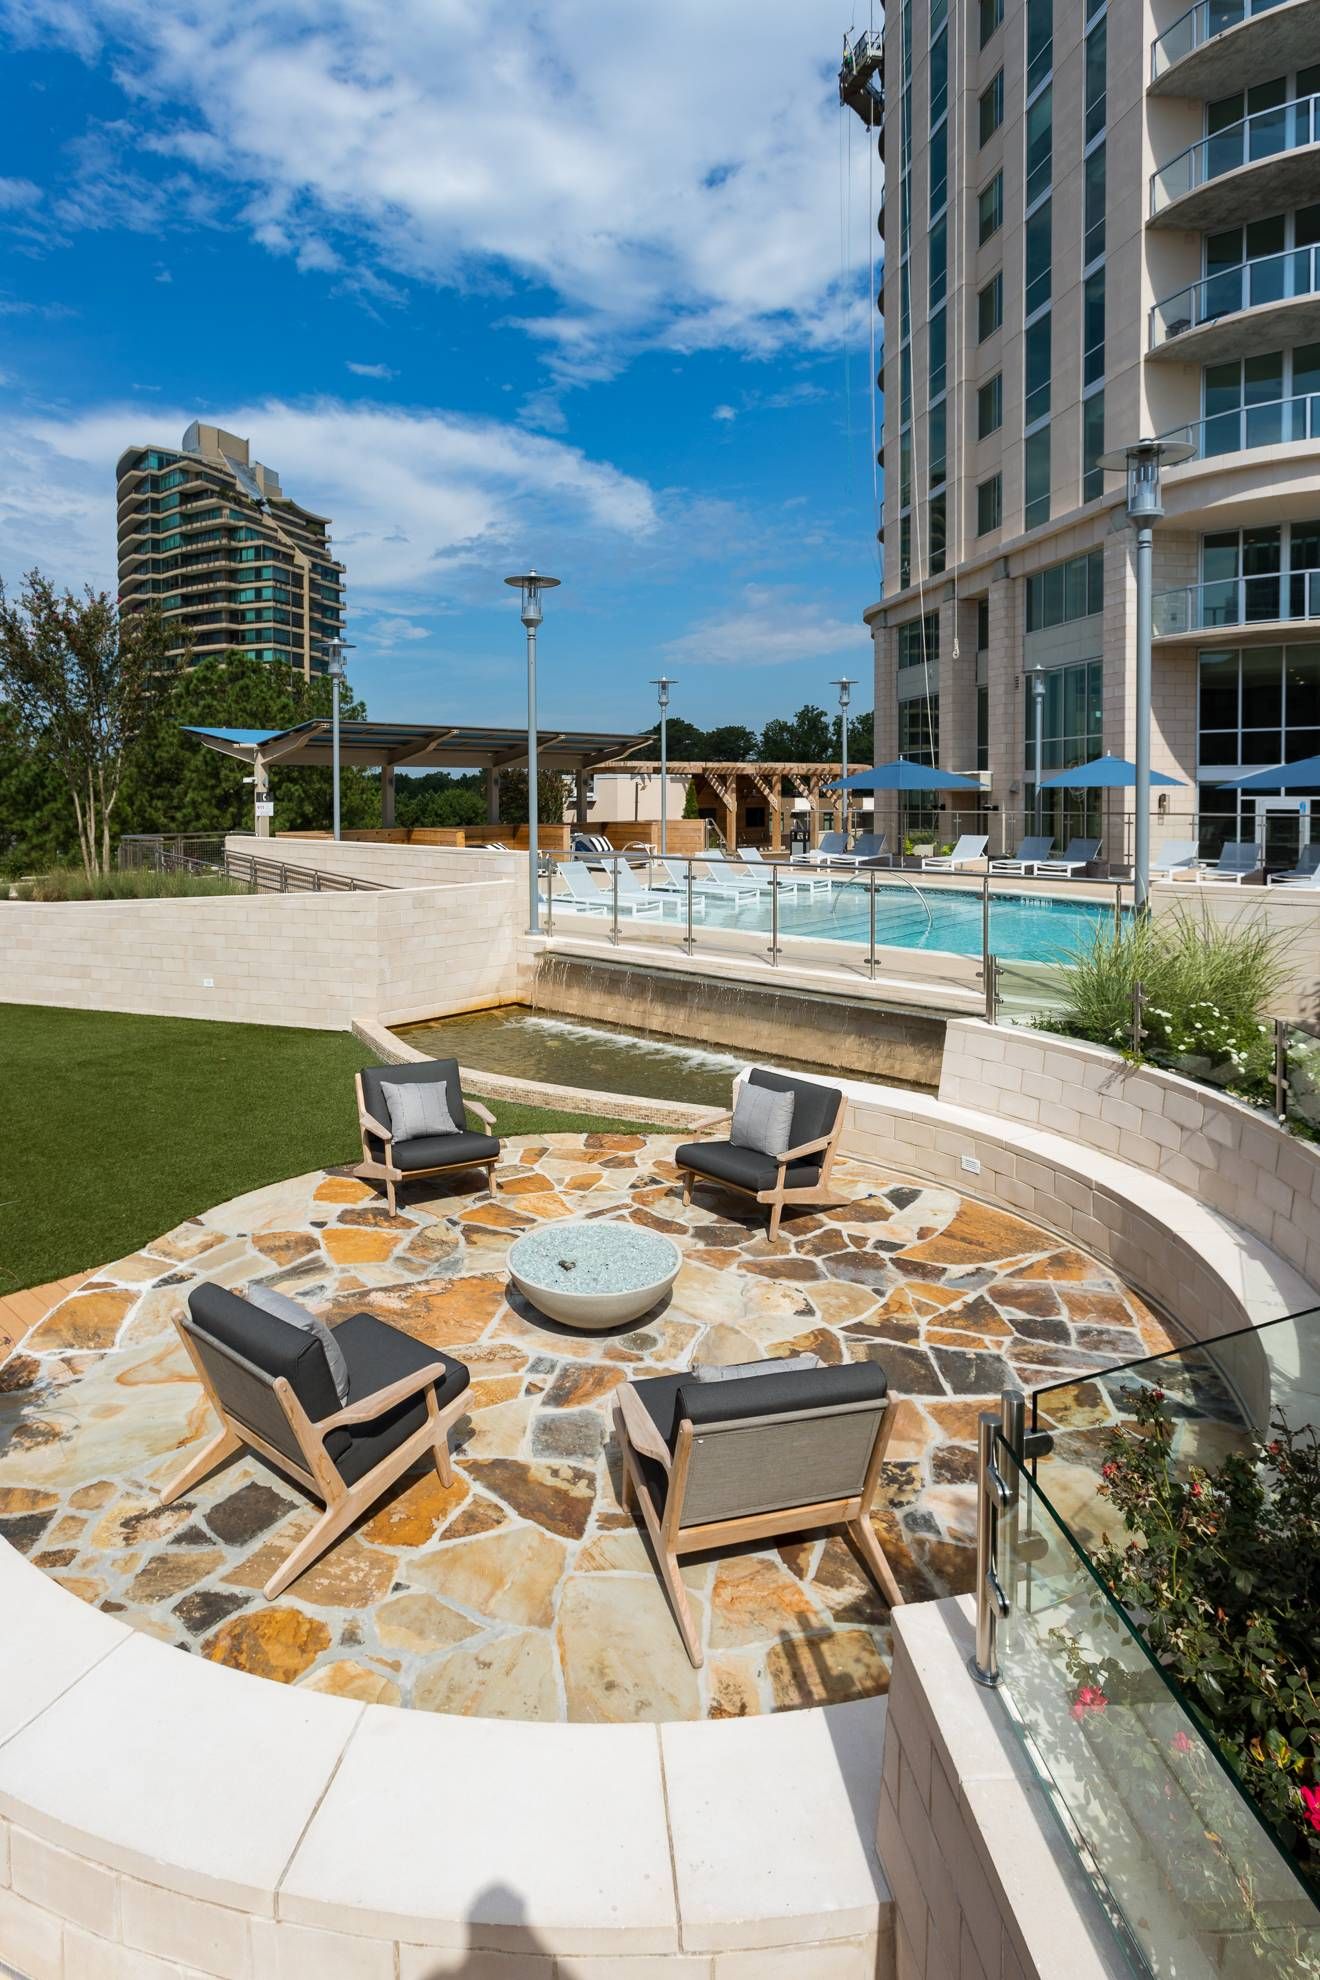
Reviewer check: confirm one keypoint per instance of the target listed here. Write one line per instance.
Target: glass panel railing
(1266, 600)
(1198, 25)
(1301, 1083)
(1271, 278)
(1283, 127)
(1272, 423)
(1194, 1879)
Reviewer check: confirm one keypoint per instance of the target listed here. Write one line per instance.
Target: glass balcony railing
(1271, 278)
(1201, 24)
(1286, 127)
(1242, 601)
(1272, 423)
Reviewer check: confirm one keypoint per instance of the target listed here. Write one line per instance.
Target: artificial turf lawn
(116, 1128)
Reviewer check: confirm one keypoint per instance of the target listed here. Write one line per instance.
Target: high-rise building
(207, 533)
(1102, 220)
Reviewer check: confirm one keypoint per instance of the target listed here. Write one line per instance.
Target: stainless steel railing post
(550, 897)
(689, 944)
(614, 902)
(1281, 1071)
(774, 916)
(870, 960)
(996, 1496)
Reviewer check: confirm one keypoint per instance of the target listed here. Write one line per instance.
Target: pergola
(730, 784)
(387, 746)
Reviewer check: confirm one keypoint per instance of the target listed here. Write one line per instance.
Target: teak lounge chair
(800, 1175)
(763, 1451)
(387, 1159)
(271, 1386)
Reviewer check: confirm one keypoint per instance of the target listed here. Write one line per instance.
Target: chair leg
(627, 1490)
(677, 1593)
(443, 1461)
(687, 1185)
(221, 1446)
(333, 1521)
(389, 1194)
(776, 1212)
(874, 1555)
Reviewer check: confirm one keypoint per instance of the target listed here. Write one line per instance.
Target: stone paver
(524, 1591)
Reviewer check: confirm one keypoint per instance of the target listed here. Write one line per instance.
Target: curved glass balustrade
(1198, 25)
(1273, 423)
(1242, 601)
(1285, 127)
(1271, 278)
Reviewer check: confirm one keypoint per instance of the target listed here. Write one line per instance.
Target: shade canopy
(420, 746)
(1103, 773)
(1304, 775)
(900, 775)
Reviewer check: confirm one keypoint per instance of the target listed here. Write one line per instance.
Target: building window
(937, 438)
(989, 504)
(1036, 507)
(982, 625)
(1040, 42)
(1093, 445)
(990, 307)
(983, 728)
(1095, 80)
(939, 168)
(991, 108)
(1040, 144)
(1072, 731)
(938, 257)
(1258, 705)
(919, 641)
(992, 13)
(990, 406)
(1067, 591)
(1093, 328)
(1037, 346)
(990, 209)
(919, 741)
(936, 534)
(1039, 255)
(905, 550)
(937, 352)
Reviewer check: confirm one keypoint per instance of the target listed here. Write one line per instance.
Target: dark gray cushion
(417, 1107)
(669, 1398)
(375, 1077)
(762, 1120)
(439, 1151)
(815, 1107)
(743, 1167)
(377, 1355)
(283, 1308)
(274, 1347)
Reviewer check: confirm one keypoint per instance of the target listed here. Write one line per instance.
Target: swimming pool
(1036, 928)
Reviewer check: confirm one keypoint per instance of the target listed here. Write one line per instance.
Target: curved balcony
(1281, 598)
(1273, 423)
(1258, 305)
(1262, 164)
(1218, 46)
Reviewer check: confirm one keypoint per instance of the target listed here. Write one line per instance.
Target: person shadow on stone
(498, 1914)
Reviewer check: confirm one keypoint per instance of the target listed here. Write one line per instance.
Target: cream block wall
(387, 864)
(314, 960)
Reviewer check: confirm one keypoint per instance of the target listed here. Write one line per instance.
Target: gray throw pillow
(421, 1107)
(281, 1307)
(789, 1364)
(763, 1120)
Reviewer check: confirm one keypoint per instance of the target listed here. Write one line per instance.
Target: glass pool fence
(1195, 1880)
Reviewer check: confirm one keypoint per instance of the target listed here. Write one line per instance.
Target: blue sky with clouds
(583, 285)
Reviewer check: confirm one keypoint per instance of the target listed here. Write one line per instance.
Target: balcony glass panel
(1281, 421)
(1240, 601)
(1271, 279)
(1200, 24)
(1279, 127)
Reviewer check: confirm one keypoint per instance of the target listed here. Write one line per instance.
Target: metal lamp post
(1142, 462)
(662, 686)
(334, 666)
(532, 584)
(845, 687)
(1038, 705)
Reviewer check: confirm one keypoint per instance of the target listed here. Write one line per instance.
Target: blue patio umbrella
(1304, 775)
(901, 775)
(1103, 773)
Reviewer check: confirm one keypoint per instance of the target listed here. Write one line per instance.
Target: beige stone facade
(1090, 279)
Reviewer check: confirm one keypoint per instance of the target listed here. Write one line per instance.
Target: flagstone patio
(524, 1591)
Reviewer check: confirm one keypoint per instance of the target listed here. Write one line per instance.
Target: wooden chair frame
(319, 1474)
(779, 1194)
(373, 1170)
(671, 1540)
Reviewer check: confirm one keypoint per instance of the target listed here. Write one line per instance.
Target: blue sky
(582, 286)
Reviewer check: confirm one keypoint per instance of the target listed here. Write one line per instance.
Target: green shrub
(132, 883)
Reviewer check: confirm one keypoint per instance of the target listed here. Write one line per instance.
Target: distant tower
(862, 88)
(208, 534)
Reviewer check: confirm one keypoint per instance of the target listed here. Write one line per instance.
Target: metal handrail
(1271, 423)
(1251, 284)
(1211, 157)
(1238, 601)
(1198, 25)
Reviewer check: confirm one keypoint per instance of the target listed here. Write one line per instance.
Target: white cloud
(390, 631)
(18, 193)
(670, 174)
(771, 626)
(371, 370)
(724, 412)
(421, 501)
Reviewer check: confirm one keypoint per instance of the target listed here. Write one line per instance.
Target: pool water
(1023, 927)
(601, 1057)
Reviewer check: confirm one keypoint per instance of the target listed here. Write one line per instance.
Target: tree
(447, 804)
(808, 738)
(691, 809)
(79, 681)
(860, 732)
(685, 742)
(733, 743)
(513, 797)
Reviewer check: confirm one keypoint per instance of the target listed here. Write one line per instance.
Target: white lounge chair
(1077, 856)
(632, 894)
(789, 881)
(868, 849)
(722, 888)
(969, 848)
(1306, 873)
(1179, 856)
(1239, 860)
(584, 893)
(1030, 852)
(832, 850)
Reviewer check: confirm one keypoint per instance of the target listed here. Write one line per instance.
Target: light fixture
(532, 584)
(662, 685)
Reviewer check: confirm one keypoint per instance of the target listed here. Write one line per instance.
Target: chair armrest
(482, 1113)
(381, 1400)
(373, 1126)
(806, 1148)
(641, 1431)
